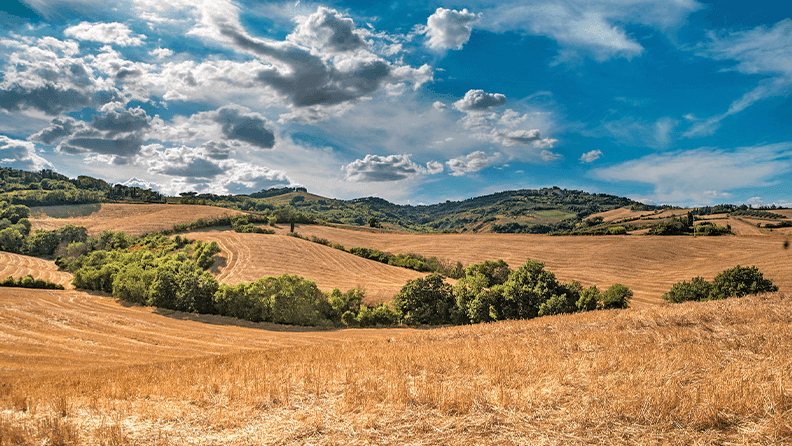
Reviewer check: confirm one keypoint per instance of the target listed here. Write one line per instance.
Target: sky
(680, 102)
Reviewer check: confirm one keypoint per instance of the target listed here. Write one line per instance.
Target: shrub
(204, 253)
(697, 289)
(740, 281)
(617, 296)
(426, 301)
(590, 299)
(29, 282)
(710, 229)
(617, 230)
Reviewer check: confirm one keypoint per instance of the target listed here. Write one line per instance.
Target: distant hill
(521, 211)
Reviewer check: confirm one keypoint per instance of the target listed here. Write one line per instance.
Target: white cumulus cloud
(449, 29)
(590, 157)
(116, 33)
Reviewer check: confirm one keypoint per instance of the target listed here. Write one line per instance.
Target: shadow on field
(215, 319)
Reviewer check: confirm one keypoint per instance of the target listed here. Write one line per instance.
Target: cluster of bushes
(491, 291)
(293, 300)
(757, 213)
(235, 221)
(708, 228)
(736, 282)
(684, 225)
(29, 282)
(242, 223)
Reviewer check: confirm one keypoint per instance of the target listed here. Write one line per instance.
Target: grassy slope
(706, 374)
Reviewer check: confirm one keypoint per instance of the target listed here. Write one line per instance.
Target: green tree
(617, 296)
(526, 290)
(697, 289)
(426, 301)
(740, 281)
(590, 299)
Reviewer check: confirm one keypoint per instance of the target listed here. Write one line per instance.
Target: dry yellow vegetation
(698, 373)
(59, 331)
(134, 219)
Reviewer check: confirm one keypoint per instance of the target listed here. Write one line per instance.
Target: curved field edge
(249, 257)
(696, 373)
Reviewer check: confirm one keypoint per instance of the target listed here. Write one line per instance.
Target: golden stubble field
(649, 265)
(710, 373)
(134, 219)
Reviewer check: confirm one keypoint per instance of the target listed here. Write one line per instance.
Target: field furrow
(252, 256)
(16, 266)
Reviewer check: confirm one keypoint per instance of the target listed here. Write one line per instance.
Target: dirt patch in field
(134, 219)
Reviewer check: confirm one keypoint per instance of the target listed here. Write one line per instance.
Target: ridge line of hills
(516, 211)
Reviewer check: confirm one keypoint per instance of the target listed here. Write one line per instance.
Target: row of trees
(491, 291)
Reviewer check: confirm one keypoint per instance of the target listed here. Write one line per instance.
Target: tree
(590, 299)
(526, 290)
(617, 296)
(426, 301)
(374, 223)
(697, 289)
(740, 281)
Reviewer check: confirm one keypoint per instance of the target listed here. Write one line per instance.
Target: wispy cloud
(699, 176)
(762, 50)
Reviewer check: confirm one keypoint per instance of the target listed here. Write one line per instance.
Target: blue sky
(678, 101)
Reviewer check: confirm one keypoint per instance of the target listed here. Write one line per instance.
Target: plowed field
(648, 265)
(248, 257)
(134, 219)
(17, 266)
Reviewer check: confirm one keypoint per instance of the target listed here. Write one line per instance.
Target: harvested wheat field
(58, 331)
(16, 266)
(710, 373)
(134, 219)
(248, 257)
(647, 265)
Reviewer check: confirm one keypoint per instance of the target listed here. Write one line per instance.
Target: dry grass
(648, 265)
(134, 219)
(705, 374)
(57, 331)
(16, 266)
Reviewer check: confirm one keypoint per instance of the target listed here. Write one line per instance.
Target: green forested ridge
(48, 188)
